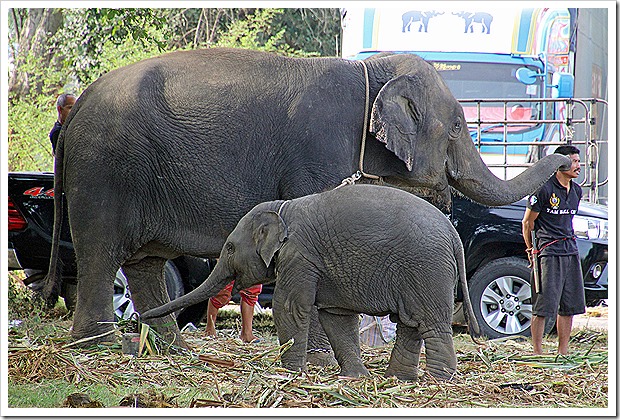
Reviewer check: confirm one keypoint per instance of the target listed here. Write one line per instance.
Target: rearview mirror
(527, 76)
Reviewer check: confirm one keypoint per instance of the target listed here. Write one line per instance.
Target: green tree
(56, 50)
(312, 30)
(257, 32)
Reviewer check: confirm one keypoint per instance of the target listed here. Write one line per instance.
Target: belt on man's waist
(541, 249)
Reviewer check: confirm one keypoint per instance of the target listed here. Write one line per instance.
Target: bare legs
(211, 316)
(564, 327)
(537, 328)
(247, 313)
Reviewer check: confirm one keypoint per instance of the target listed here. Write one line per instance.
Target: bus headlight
(590, 228)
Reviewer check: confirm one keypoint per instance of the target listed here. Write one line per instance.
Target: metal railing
(577, 125)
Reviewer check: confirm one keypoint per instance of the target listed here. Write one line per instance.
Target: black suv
(497, 265)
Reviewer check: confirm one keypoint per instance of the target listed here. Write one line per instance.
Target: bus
(505, 65)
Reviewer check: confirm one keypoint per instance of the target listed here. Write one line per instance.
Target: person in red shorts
(249, 297)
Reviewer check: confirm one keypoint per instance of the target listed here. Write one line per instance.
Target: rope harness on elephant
(350, 180)
(360, 173)
(366, 103)
(281, 207)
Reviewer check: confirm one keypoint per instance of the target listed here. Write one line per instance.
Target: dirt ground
(596, 318)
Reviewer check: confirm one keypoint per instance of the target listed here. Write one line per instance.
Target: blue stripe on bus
(525, 26)
(369, 20)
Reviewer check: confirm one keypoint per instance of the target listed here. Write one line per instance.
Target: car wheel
(123, 305)
(174, 281)
(502, 297)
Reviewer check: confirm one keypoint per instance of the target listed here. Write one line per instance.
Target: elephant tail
(470, 317)
(53, 280)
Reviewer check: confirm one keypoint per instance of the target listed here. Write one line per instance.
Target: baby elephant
(357, 249)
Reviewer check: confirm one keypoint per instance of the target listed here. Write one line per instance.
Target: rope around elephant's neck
(365, 127)
(359, 174)
(281, 207)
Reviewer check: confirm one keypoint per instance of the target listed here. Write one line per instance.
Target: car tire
(123, 305)
(501, 297)
(121, 300)
(174, 281)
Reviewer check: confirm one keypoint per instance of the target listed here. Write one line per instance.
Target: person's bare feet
(249, 338)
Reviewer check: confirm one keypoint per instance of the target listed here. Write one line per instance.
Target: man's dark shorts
(562, 287)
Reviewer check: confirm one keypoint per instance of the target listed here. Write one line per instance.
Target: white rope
(365, 125)
(359, 174)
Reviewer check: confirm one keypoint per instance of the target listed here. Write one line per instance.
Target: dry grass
(224, 372)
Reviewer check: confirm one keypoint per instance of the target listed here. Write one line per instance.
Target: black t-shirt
(556, 207)
(54, 135)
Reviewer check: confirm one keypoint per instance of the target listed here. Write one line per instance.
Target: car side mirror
(562, 85)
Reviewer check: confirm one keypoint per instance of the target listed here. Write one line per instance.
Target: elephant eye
(230, 248)
(457, 126)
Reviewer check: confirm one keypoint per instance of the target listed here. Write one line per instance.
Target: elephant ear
(398, 116)
(269, 234)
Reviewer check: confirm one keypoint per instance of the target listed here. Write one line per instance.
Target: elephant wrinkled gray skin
(357, 249)
(163, 157)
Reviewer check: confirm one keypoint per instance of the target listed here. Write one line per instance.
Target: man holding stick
(547, 228)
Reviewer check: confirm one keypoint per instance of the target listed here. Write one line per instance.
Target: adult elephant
(163, 157)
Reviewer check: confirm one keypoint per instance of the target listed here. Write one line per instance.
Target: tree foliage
(64, 50)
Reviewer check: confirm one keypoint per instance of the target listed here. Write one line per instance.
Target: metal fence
(580, 122)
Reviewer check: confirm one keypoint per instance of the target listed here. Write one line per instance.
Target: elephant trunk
(472, 177)
(217, 280)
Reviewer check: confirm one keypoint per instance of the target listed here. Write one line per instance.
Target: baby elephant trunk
(217, 280)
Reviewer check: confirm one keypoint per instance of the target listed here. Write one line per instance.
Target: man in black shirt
(550, 214)
(64, 103)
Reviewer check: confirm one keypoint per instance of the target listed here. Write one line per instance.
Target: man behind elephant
(64, 103)
(249, 297)
(550, 214)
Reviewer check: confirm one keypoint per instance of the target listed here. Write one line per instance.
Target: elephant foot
(293, 367)
(83, 339)
(445, 374)
(402, 374)
(293, 363)
(353, 371)
(175, 338)
(321, 358)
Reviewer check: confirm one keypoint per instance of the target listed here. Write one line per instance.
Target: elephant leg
(292, 321)
(405, 355)
(94, 312)
(344, 337)
(148, 290)
(319, 352)
(440, 355)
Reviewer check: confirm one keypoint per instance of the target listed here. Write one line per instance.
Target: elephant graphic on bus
(418, 16)
(479, 17)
